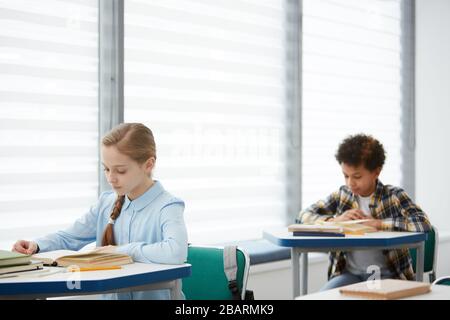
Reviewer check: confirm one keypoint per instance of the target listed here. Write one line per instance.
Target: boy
(389, 208)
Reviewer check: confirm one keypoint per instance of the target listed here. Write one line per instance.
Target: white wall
(433, 109)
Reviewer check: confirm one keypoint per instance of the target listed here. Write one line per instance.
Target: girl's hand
(352, 214)
(24, 246)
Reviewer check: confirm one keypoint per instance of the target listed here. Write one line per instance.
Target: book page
(51, 256)
(65, 258)
(350, 227)
(354, 227)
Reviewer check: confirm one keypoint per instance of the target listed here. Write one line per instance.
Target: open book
(386, 289)
(333, 229)
(353, 227)
(65, 258)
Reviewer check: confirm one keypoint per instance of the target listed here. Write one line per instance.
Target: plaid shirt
(391, 205)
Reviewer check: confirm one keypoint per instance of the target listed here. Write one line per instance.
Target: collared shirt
(150, 228)
(391, 205)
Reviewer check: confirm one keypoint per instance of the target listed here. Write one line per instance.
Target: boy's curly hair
(361, 149)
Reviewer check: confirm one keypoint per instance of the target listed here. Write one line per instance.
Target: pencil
(94, 268)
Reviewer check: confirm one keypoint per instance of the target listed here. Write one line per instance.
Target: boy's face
(361, 181)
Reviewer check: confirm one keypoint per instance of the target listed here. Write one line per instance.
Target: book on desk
(94, 258)
(9, 271)
(14, 262)
(386, 289)
(12, 258)
(331, 229)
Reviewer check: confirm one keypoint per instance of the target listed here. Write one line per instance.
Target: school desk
(438, 292)
(300, 246)
(131, 277)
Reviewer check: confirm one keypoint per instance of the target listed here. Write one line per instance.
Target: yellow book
(65, 258)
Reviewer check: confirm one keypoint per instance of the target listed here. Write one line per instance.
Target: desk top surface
(282, 237)
(438, 292)
(135, 274)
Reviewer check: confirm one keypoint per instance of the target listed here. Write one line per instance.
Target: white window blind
(352, 83)
(208, 77)
(48, 115)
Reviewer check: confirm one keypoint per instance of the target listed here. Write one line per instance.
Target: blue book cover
(317, 234)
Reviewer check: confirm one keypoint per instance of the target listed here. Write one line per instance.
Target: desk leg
(304, 273)
(295, 255)
(420, 253)
(175, 290)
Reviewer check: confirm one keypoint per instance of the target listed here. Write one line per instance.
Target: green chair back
(208, 280)
(430, 254)
(443, 281)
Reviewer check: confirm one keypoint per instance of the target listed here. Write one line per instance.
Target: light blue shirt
(150, 228)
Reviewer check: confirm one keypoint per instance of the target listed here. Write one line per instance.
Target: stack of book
(316, 230)
(13, 263)
(331, 229)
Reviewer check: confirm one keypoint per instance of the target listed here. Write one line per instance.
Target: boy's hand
(352, 214)
(375, 223)
(24, 246)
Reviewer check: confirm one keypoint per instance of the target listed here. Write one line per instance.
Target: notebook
(386, 289)
(11, 258)
(33, 265)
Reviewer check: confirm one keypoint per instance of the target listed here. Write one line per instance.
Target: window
(209, 78)
(356, 78)
(218, 83)
(48, 115)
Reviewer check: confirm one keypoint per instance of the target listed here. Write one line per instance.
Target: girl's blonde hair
(136, 141)
(132, 139)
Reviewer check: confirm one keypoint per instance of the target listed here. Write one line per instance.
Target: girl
(139, 218)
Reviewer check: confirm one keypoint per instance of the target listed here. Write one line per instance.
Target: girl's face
(125, 175)
(361, 181)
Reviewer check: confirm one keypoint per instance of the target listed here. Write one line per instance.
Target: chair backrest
(431, 247)
(443, 281)
(208, 280)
